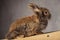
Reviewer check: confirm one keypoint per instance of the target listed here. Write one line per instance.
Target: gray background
(11, 10)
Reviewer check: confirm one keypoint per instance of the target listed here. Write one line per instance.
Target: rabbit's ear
(32, 5)
(37, 10)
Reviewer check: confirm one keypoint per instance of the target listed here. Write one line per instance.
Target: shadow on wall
(14, 9)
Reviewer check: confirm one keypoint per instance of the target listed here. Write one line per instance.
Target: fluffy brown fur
(32, 25)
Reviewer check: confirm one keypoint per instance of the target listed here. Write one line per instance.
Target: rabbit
(30, 25)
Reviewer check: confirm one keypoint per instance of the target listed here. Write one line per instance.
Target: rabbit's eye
(45, 13)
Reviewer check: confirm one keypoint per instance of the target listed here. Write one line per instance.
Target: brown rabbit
(31, 25)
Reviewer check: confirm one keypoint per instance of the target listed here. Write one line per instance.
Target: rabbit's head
(40, 11)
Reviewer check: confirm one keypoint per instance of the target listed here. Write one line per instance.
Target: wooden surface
(48, 36)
